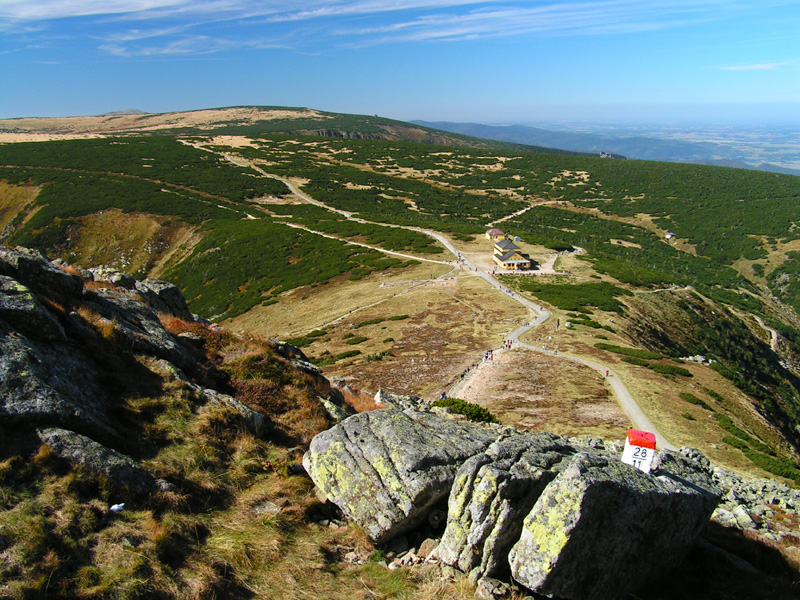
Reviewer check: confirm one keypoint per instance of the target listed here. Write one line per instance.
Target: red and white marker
(640, 449)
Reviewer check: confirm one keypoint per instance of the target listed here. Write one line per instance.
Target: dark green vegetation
(390, 238)
(242, 249)
(692, 399)
(472, 411)
(617, 212)
(634, 352)
(580, 297)
(307, 339)
(260, 259)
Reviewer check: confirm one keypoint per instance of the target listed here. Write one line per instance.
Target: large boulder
(493, 492)
(42, 382)
(386, 469)
(602, 529)
(34, 270)
(121, 470)
(18, 306)
(164, 297)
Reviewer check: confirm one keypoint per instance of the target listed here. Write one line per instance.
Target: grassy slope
(238, 523)
(616, 210)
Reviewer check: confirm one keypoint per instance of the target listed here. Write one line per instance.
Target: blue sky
(489, 61)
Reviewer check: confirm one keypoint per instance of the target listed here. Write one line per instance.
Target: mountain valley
(359, 244)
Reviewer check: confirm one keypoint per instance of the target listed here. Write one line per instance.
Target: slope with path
(538, 313)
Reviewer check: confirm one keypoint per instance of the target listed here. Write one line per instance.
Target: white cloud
(553, 18)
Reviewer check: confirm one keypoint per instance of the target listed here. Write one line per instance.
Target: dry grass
(70, 269)
(103, 326)
(15, 199)
(543, 393)
(104, 285)
(304, 309)
(360, 401)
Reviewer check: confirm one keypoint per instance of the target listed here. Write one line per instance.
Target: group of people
(487, 356)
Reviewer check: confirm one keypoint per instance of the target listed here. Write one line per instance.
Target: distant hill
(248, 121)
(639, 147)
(632, 147)
(129, 111)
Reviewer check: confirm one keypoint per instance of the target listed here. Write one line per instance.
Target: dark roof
(507, 258)
(506, 245)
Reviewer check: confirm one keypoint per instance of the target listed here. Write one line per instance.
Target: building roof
(506, 258)
(506, 245)
(495, 232)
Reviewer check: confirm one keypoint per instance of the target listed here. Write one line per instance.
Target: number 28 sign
(640, 449)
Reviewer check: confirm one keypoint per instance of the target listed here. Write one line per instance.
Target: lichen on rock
(386, 468)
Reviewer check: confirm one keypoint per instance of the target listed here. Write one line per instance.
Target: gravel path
(538, 313)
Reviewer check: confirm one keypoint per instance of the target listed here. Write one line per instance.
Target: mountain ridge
(244, 120)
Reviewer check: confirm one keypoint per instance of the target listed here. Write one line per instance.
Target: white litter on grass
(116, 507)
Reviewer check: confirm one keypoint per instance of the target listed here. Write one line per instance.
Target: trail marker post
(640, 449)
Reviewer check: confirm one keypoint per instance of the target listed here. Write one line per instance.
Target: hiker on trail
(606, 372)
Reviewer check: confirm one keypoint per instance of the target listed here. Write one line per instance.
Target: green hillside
(235, 238)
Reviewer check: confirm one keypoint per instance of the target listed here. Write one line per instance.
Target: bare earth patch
(543, 393)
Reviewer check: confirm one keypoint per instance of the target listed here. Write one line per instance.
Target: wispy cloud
(187, 45)
(31, 10)
(135, 35)
(571, 18)
(39, 10)
(759, 67)
(188, 26)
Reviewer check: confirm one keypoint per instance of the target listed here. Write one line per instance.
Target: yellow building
(507, 256)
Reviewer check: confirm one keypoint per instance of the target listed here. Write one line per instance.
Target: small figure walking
(606, 372)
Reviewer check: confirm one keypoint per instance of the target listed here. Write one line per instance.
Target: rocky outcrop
(602, 529)
(32, 269)
(492, 494)
(47, 376)
(112, 275)
(18, 305)
(386, 469)
(164, 297)
(564, 518)
(400, 402)
(138, 323)
(42, 382)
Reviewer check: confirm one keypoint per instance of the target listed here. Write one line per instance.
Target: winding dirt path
(538, 314)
